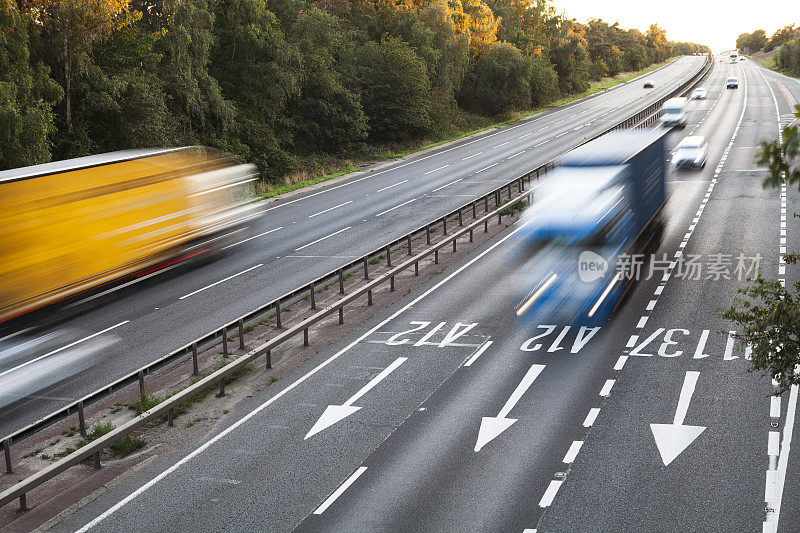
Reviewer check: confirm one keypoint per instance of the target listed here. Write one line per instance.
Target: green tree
(394, 90)
(544, 82)
(27, 96)
(499, 81)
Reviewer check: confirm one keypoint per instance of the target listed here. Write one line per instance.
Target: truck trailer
(594, 219)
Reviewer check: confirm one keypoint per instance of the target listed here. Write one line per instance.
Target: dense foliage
(786, 40)
(280, 81)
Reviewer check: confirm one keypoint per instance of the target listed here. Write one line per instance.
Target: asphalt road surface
(291, 243)
(445, 414)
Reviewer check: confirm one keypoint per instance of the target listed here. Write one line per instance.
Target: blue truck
(595, 218)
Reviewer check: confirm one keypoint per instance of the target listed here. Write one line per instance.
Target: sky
(709, 22)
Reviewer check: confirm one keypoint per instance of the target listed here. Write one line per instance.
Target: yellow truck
(89, 223)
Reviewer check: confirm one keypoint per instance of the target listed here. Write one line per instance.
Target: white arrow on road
(492, 426)
(335, 413)
(672, 439)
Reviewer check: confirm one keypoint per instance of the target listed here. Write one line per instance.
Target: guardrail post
(436, 256)
(454, 245)
(96, 458)
(341, 281)
(23, 502)
(497, 198)
(474, 214)
(142, 390)
(416, 268)
(486, 204)
(195, 369)
(369, 297)
(509, 191)
(341, 315)
(241, 333)
(170, 423)
(366, 268)
(428, 234)
(499, 219)
(225, 342)
(269, 359)
(460, 218)
(313, 295)
(470, 234)
(7, 453)
(221, 388)
(389, 256)
(391, 284)
(444, 226)
(81, 419)
(409, 244)
(305, 337)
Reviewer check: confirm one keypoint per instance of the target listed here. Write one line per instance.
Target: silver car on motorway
(692, 151)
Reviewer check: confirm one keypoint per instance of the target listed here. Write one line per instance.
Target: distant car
(648, 84)
(699, 94)
(732, 83)
(692, 151)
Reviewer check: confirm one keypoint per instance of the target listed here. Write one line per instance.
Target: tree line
(280, 82)
(786, 40)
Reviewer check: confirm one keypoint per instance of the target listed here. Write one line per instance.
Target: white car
(692, 151)
(699, 94)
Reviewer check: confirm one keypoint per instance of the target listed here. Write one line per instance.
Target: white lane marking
(501, 144)
(783, 461)
(330, 209)
(473, 155)
(590, 418)
(773, 443)
(550, 493)
(775, 407)
(70, 345)
(651, 304)
(390, 186)
(642, 322)
(221, 281)
(251, 238)
(435, 170)
(632, 341)
(396, 207)
(620, 362)
(515, 155)
(486, 168)
(207, 444)
(478, 353)
(323, 238)
(606, 390)
(338, 492)
(541, 143)
(572, 453)
(523, 136)
(448, 184)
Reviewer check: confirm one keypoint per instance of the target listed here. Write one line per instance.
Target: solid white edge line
(221, 281)
(70, 345)
(292, 386)
(477, 354)
(330, 209)
(338, 492)
(323, 238)
(395, 207)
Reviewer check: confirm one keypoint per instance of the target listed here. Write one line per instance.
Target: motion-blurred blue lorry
(593, 220)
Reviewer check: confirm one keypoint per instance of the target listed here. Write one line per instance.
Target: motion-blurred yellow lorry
(94, 222)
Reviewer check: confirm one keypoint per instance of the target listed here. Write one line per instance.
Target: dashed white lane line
(541, 144)
(323, 238)
(330, 209)
(395, 207)
(399, 183)
(550, 493)
(447, 185)
(572, 453)
(526, 135)
(642, 322)
(501, 144)
(435, 170)
(486, 168)
(632, 341)
(606, 390)
(515, 155)
(477, 354)
(222, 281)
(338, 492)
(621, 362)
(471, 156)
(591, 417)
(251, 238)
(70, 345)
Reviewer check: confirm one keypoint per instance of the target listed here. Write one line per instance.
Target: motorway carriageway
(442, 414)
(292, 243)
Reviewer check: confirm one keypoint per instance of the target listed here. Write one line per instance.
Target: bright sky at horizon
(716, 24)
